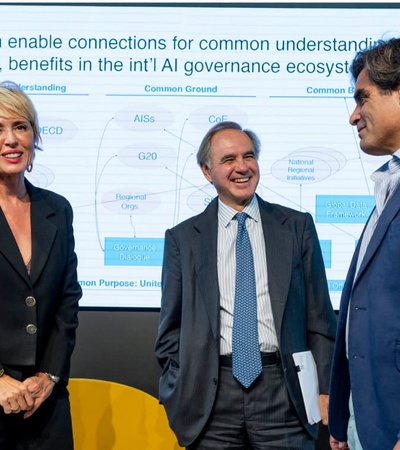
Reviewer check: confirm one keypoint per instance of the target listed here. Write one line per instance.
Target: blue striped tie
(246, 356)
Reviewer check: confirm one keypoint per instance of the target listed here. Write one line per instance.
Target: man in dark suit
(208, 408)
(365, 386)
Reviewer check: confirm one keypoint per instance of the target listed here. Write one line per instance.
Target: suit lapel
(278, 245)
(43, 231)
(204, 249)
(10, 250)
(389, 212)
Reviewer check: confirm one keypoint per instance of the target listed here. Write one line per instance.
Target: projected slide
(125, 95)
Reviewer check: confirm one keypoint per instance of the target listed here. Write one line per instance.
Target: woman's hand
(14, 395)
(40, 386)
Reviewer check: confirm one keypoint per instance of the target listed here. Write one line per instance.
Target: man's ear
(206, 172)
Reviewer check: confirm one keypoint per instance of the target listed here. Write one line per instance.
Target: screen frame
(215, 5)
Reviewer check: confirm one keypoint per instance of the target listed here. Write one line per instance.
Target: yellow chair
(113, 416)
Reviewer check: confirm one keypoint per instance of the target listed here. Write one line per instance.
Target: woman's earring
(29, 168)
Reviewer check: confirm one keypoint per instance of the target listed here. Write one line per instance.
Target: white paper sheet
(308, 378)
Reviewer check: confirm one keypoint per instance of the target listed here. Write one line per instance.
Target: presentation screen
(125, 94)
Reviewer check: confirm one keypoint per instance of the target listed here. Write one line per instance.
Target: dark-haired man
(365, 386)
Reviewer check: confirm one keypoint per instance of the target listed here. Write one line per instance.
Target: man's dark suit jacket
(372, 370)
(45, 301)
(188, 341)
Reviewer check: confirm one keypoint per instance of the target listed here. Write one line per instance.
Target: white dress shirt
(226, 262)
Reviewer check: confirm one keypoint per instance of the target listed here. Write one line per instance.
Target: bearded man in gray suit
(207, 407)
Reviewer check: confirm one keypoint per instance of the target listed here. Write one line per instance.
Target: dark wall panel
(117, 346)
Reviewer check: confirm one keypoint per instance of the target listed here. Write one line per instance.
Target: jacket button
(30, 301)
(31, 328)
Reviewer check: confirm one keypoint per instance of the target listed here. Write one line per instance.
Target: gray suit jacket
(188, 343)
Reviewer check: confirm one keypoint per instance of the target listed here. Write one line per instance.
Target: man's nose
(355, 116)
(241, 165)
